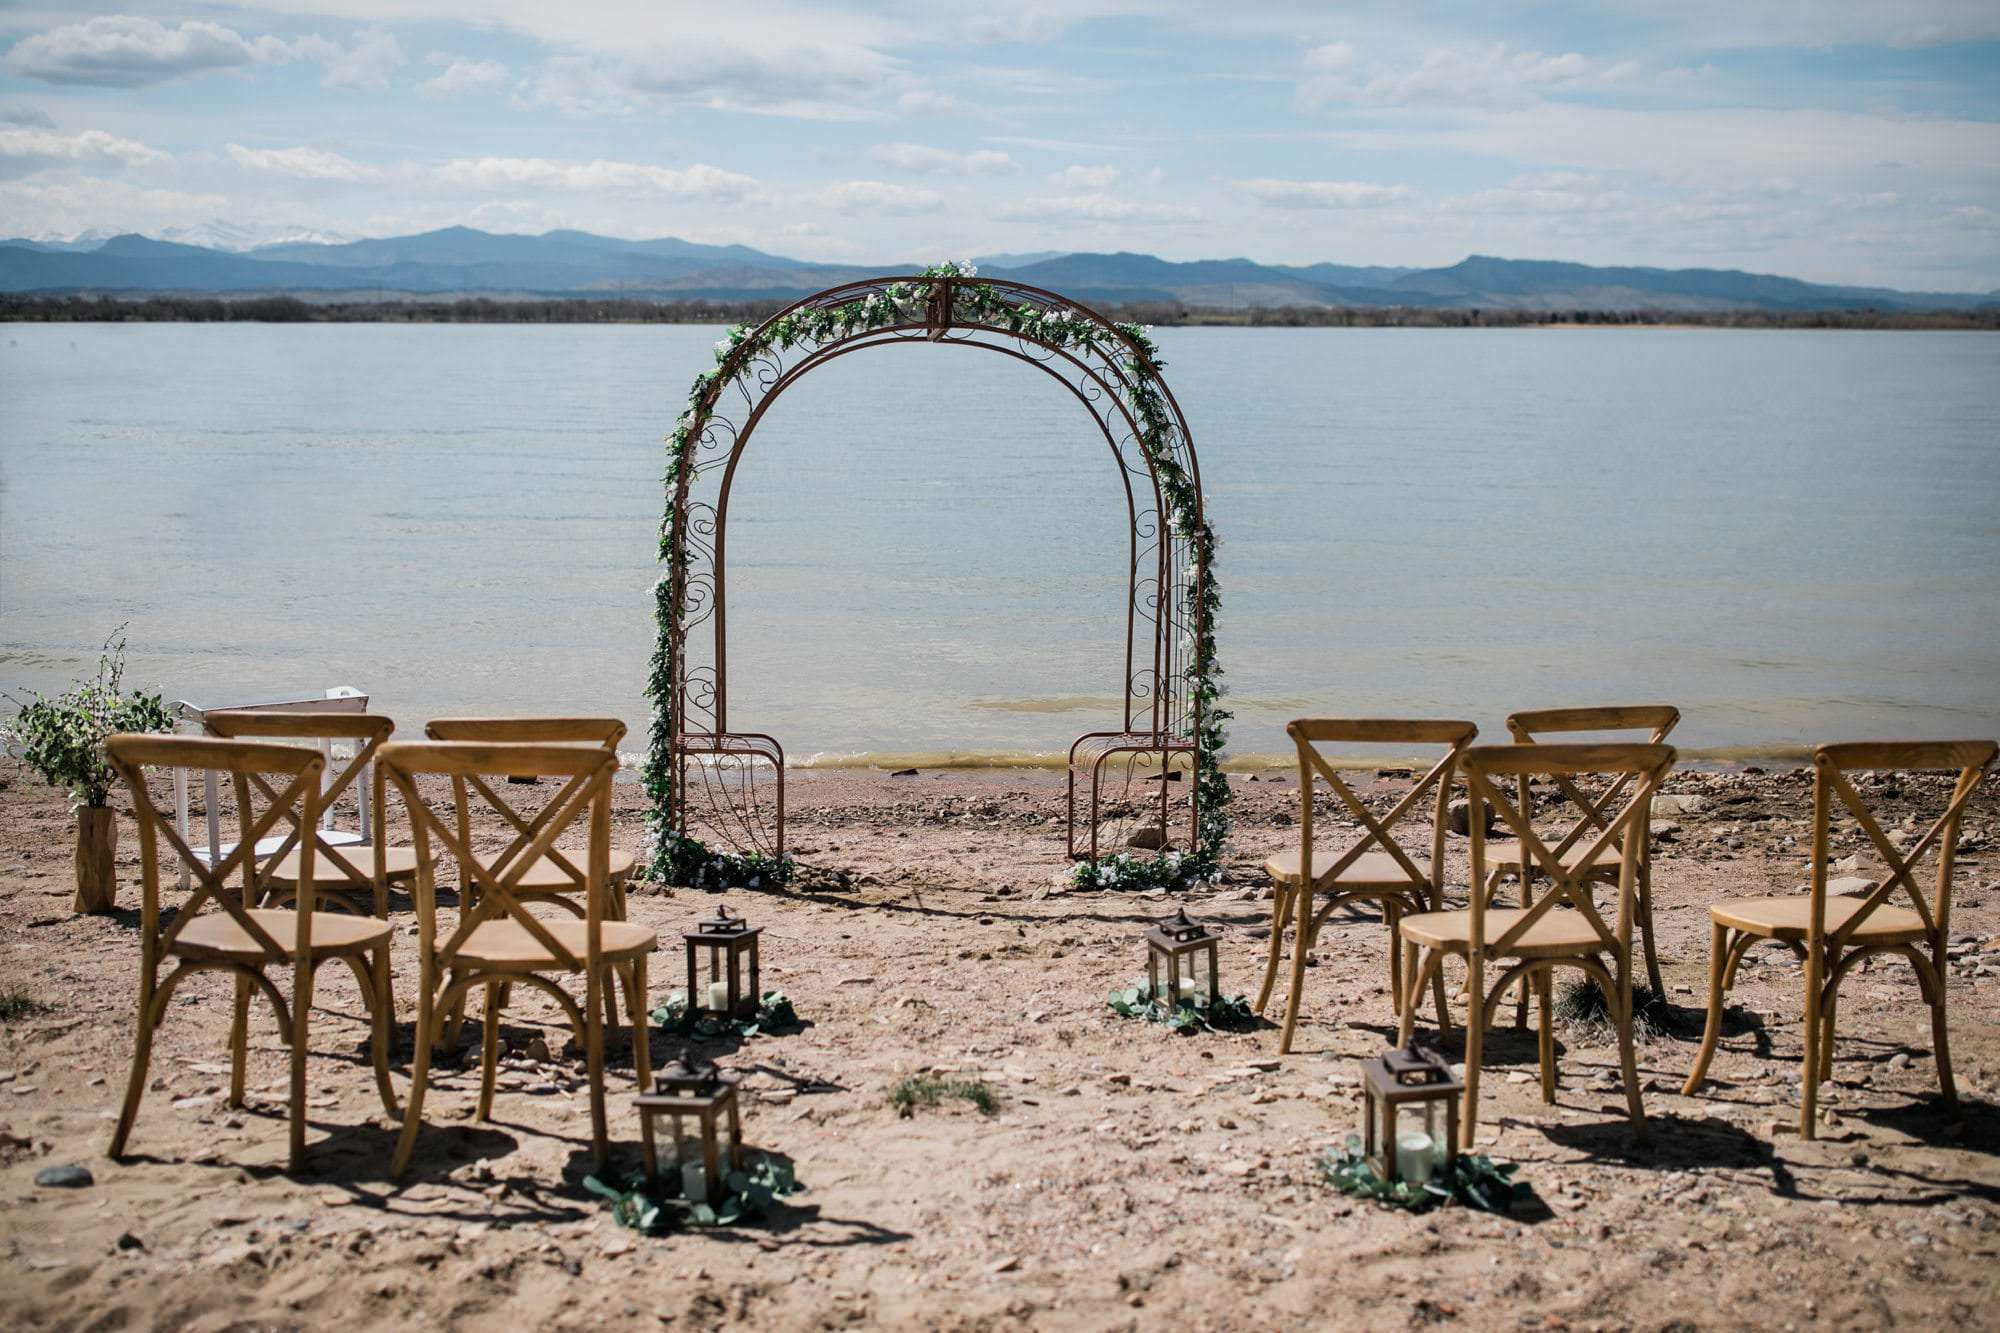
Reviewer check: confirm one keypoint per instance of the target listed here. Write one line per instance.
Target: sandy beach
(1129, 1176)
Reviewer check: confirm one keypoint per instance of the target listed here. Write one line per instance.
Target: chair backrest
(248, 763)
(1641, 769)
(1972, 760)
(1309, 733)
(191, 716)
(604, 731)
(1529, 724)
(588, 772)
(368, 731)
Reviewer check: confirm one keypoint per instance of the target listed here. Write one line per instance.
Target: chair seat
(1561, 931)
(1790, 918)
(401, 863)
(215, 934)
(547, 876)
(1371, 870)
(1500, 854)
(507, 944)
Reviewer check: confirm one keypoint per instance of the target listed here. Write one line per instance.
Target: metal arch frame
(1164, 602)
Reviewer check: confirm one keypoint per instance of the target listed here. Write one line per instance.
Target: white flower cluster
(967, 269)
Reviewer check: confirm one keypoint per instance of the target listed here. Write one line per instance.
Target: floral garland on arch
(679, 859)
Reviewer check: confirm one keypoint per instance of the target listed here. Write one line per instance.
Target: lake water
(1794, 536)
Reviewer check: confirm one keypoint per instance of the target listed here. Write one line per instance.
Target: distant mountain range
(460, 261)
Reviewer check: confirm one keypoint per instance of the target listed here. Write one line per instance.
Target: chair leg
(489, 1050)
(1521, 991)
(1645, 905)
(385, 1028)
(1280, 903)
(1809, 1074)
(1627, 1058)
(593, 1043)
(1414, 967)
(1392, 914)
(1826, 1037)
(239, 1040)
(1941, 1040)
(1301, 941)
(302, 996)
(420, 1073)
(1717, 965)
(1547, 1035)
(135, 1084)
(1475, 1029)
(642, 1060)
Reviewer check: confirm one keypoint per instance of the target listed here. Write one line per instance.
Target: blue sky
(1833, 140)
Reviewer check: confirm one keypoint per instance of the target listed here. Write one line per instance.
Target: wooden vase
(96, 870)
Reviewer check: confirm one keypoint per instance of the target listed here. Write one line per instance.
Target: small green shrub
(913, 1092)
(63, 738)
(16, 1002)
(1581, 1009)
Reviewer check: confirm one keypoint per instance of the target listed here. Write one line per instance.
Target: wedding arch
(715, 824)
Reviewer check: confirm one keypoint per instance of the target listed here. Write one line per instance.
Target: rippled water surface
(1791, 535)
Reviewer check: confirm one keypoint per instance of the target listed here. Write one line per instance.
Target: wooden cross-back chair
(496, 942)
(236, 936)
(1375, 869)
(1563, 928)
(1833, 933)
(1589, 809)
(554, 877)
(353, 876)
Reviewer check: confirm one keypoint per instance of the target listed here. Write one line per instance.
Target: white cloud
(126, 52)
(1323, 194)
(1489, 76)
(1084, 178)
(920, 160)
(367, 65)
(875, 197)
(497, 173)
(26, 150)
(1333, 58)
(1099, 208)
(311, 164)
(832, 81)
(461, 77)
(926, 102)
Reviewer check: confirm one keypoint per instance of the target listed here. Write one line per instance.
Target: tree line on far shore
(37, 309)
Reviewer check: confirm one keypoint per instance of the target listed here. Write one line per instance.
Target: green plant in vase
(62, 739)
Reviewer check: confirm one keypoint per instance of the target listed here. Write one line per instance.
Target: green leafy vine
(1187, 1014)
(657, 1208)
(1473, 1180)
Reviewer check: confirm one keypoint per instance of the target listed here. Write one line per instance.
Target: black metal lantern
(706, 1129)
(1185, 950)
(1409, 1115)
(723, 942)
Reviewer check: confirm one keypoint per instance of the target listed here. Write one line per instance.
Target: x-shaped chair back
(1593, 808)
(1831, 765)
(296, 797)
(368, 731)
(587, 772)
(1636, 770)
(602, 731)
(1310, 733)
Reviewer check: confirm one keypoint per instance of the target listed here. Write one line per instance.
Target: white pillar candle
(694, 1183)
(718, 995)
(1190, 987)
(1413, 1157)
